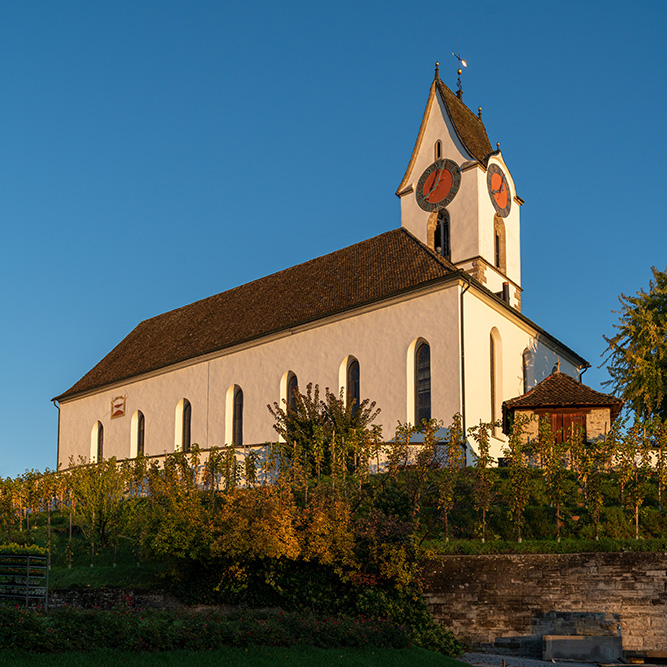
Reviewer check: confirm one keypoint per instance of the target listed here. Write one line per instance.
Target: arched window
(527, 362)
(187, 426)
(438, 149)
(237, 419)
(496, 375)
(137, 436)
(292, 389)
(97, 443)
(353, 389)
(183, 431)
(441, 238)
(499, 244)
(422, 383)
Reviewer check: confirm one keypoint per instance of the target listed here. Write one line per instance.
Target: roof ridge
(425, 248)
(270, 275)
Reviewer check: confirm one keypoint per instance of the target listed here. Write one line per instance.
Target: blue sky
(132, 135)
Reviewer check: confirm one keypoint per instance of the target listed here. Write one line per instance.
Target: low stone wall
(507, 602)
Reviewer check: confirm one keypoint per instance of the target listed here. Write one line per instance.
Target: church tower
(458, 196)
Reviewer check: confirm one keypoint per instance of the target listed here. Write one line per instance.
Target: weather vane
(459, 71)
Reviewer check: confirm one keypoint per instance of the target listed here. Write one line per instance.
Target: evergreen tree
(636, 357)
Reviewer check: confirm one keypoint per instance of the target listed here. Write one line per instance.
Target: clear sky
(133, 137)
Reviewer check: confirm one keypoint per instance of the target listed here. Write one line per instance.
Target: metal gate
(25, 577)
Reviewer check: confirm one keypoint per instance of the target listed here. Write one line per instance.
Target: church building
(425, 320)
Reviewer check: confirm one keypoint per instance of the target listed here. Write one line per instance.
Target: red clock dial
(438, 185)
(499, 191)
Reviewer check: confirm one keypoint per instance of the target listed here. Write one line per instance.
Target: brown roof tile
(374, 269)
(561, 390)
(468, 126)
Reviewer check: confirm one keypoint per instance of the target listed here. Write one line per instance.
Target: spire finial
(479, 113)
(459, 71)
(497, 145)
(437, 69)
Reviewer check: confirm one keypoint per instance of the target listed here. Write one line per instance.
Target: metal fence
(25, 578)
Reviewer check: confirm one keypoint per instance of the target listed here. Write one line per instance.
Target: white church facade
(425, 320)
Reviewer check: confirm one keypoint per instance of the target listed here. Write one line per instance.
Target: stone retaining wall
(507, 602)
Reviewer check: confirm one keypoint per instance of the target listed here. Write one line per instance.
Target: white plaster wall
(512, 224)
(480, 318)
(438, 127)
(378, 338)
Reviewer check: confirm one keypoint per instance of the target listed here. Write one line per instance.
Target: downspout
(463, 358)
(582, 371)
(55, 402)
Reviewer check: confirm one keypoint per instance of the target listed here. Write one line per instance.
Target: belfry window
(499, 244)
(441, 238)
(237, 419)
(422, 383)
(438, 149)
(353, 386)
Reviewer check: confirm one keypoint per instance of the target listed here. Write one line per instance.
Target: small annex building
(567, 403)
(424, 319)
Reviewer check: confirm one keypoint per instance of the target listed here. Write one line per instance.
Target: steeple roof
(560, 390)
(468, 127)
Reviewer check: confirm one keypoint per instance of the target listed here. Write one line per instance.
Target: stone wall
(507, 602)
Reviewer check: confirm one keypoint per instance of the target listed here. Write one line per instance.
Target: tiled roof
(468, 126)
(561, 390)
(375, 269)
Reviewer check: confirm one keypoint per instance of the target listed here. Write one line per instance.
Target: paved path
(496, 660)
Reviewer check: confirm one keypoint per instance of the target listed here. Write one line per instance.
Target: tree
(636, 357)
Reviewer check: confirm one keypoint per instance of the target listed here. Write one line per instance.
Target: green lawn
(237, 657)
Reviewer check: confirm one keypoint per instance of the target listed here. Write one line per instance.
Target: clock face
(438, 185)
(499, 191)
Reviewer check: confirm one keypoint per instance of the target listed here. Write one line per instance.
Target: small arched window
(237, 419)
(438, 149)
(441, 238)
(292, 389)
(353, 387)
(422, 383)
(97, 443)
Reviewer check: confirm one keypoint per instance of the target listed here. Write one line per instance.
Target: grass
(237, 657)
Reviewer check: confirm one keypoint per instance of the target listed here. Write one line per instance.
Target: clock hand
(435, 185)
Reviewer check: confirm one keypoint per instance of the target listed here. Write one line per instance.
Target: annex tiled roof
(369, 271)
(468, 126)
(561, 390)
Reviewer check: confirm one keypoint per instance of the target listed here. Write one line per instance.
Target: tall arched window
(441, 239)
(527, 362)
(183, 431)
(422, 383)
(292, 389)
(137, 436)
(496, 375)
(437, 149)
(187, 426)
(97, 443)
(353, 388)
(237, 419)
